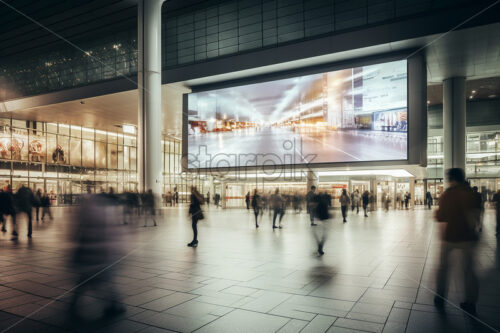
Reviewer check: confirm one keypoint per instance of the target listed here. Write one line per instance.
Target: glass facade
(173, 177)
(211, 29)
(482, 161)
(65, 160)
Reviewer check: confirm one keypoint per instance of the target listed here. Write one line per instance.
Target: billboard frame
(416, 99)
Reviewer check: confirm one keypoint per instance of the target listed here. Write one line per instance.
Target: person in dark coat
(428, 198)
(257, 207)
(478, 207)
(24, 200)
(38, 202)
(149, 207)
(365, 198)
(247, 199)
(45, 203)
(456, 209)
(7, 208)
(196, 214)
(321, 203)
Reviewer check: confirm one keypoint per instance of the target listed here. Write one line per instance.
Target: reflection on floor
(377, 276)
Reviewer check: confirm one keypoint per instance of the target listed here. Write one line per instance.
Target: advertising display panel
(356, 114)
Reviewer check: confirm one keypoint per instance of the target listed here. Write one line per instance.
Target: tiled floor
(377, 276)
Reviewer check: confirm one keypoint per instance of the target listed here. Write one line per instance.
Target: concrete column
(312, 179)
(454, 126)
(149, 155)
(223, 185)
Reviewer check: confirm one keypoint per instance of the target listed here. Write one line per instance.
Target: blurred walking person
(310, 203)
(456, 209)
(320, 206)
(97, 238)
(478, 207)
(428, 198)
(24, 200)
(356, 200)
(247, 199)
(496, 200)
(344, 203)
(37, 203)
(7, 208)
(45, 203)
(149, 207)
(257, 207)
(196, 214)
(366, 200)
(278, 208)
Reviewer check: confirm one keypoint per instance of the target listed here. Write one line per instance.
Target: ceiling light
(473, 91)
(130, 129)
(492, 96)
(428, 102)
(471, 97)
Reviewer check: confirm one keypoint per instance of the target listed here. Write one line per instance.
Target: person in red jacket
(456, 209)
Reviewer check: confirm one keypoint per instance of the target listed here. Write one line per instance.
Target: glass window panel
(51, 128)
(133, 158)
(126, 162)
(112, 138)
(112, 156)
(88, 153)
(100, 155)
(100, 136)
(62, 149)
(51, 148)
(87, 133)
(19, 123)
(76, 131)
(64, 129)
(120, 139)
(120, 157)
(37, 147)
(75, 151)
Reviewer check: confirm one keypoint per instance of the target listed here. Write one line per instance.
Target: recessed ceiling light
(492, 96)
(471, 97)
(473, 91)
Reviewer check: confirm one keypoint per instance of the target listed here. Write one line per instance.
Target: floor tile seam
(24, 318)
(356, 329)
(152, 325)
(303, 328)
(140, 306)
(283, 301)
(33, 294)
(218, 317)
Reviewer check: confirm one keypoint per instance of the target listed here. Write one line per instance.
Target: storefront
(65, 161)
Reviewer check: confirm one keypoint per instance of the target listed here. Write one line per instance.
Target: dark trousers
(37, 210)
(30, 220)
(256, 212)
(280, 212)
(344, 212)
(194, 225)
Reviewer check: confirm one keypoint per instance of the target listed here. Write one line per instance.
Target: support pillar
(312, 179)
(223, 185)
(149, 89)
(454, 125)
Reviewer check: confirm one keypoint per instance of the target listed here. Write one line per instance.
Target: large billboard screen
(356, 114)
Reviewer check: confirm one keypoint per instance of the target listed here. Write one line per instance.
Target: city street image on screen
(350, 115)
